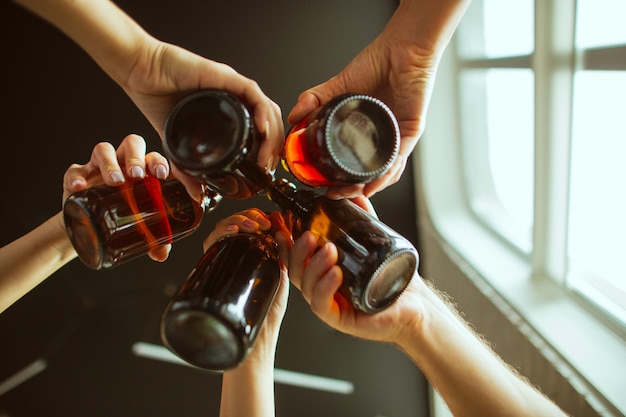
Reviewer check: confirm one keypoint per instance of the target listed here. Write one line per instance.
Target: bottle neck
(209, 199)
(285, 195)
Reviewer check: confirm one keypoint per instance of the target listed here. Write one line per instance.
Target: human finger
(299, 255)
(250, 221)
(157, 166)
(325, 301)
(132, 153)
(366, 204)
(104, 159)
(319, 264)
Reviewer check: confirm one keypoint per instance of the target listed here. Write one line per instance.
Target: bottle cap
(362, 137)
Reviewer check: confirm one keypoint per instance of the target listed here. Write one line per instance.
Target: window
(543, 136)
(537, 91)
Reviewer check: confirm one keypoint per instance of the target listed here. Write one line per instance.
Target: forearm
(248, 390)
(27, 261)
(103, 30)
(470, 377)
(426, 24)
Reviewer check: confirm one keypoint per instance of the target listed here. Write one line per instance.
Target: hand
(399, 68)
(165, 73)
(112, 167)
(251, 221)
(314, 271)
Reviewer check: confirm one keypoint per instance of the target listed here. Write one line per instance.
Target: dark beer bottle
(377, 262)
(210, 135)
(213, 319)
(352, 139)
(111, 225)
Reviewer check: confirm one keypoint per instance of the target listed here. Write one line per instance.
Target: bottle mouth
(389, 281)
(84, 233)
(362, 136)
(201, 339)
(206, 132)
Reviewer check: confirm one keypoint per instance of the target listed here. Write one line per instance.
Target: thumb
(315, 97)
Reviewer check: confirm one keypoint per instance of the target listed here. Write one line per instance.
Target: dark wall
(56, 105)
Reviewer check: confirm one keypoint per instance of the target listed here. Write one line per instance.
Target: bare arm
(470, 377)
(27, 261)
(156, 74)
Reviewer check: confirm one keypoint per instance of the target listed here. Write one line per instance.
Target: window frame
(533, 283)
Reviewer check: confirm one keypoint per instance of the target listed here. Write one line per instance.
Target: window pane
(510, 127)
(600, 23)
(597, 220)
(496, 28)
(509, 29)
(498, 148)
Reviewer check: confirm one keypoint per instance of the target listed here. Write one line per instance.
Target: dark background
(57, 104)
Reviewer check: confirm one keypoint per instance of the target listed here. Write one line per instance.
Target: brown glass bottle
(352, 139)
(112, 225)
(213, 319)
(210, 135)
(377, 262)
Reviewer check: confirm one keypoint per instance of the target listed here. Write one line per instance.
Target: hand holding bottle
(314, 271)
(399, 68)
(114, 167)
(156, 74)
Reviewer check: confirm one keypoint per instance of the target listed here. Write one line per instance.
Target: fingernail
(250, 223)
(161, 172)
(263, 222)
(77, 182)
(136, 172)
(117, 176)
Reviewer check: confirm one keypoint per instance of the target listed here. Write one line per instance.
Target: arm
(27, 261)
(155, 74)
(248, 389)
(470, 377)
(398, 67)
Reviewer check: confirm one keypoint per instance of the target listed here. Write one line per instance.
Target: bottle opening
(390, 280)
(363, 136)
(83, 233)
(205, 130)
(201, 339)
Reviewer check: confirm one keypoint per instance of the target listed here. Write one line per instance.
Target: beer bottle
(213, 319)
(353, 139)
(377, 262)
(111, 225)
(210, 135)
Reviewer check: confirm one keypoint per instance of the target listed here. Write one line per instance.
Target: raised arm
(398, 67)
(156, 74)
(27, 261)
(470, 377)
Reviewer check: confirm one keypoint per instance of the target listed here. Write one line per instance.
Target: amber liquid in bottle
(214, 318)
(111, 225)
(377, 262)
(352, 139)
(210, 135)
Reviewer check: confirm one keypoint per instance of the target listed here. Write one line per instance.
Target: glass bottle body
(214, 318)
(352, 139)
(210, 135)
(377, 262)
(112, 225)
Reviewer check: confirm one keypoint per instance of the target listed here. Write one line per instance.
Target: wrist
(58, 238)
